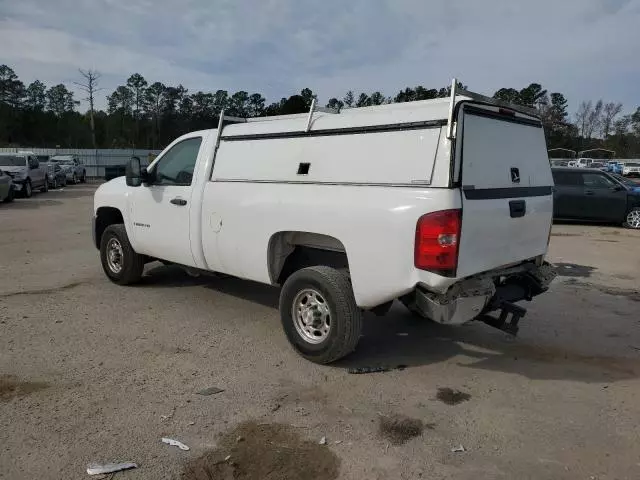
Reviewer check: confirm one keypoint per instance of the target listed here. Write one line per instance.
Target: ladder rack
(315, 108)
(457, 91)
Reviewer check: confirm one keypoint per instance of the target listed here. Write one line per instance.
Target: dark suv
(595, 196)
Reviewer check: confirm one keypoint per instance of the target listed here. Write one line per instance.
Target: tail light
(437, 242)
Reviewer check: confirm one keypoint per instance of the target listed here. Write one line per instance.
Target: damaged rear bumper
(476, 297)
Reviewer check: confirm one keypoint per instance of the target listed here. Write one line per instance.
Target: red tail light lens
(437, 241)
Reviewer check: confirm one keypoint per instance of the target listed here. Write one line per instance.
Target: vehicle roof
(406, 112)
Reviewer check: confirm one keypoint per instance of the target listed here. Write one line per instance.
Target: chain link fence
(98, 162)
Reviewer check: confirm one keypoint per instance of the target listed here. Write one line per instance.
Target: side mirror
(617, 188)
(133, 172)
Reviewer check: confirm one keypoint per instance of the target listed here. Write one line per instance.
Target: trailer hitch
(507, 309)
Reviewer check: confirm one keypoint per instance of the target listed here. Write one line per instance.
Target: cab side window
(33, 162)
(595, 180)
(177, 165)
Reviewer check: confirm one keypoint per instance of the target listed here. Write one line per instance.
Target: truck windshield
(12, 161)
(624, 180)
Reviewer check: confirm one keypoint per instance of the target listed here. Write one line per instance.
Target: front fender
(115, 194)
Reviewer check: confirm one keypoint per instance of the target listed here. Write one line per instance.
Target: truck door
(604, 199)
(160, 211)
(568, 198)
(36, 172)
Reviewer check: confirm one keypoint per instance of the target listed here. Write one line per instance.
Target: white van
(443, 204)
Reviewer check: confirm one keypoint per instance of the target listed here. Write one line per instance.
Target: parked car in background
(57, 176)
(72, 166)
(631, 169)
(584, 162)
(25, 171)
(595, 196)
(614, 167)
(559, 163)
(6, 187)
(572, 164)
(599, 166)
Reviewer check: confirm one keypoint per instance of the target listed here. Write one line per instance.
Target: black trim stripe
(472, 193)
(481, 112)
(395, 127)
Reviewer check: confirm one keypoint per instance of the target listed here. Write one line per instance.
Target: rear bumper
(473, 297)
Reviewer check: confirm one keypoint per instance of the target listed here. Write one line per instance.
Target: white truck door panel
(160, 211)
(507, 191)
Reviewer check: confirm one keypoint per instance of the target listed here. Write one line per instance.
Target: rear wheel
(83, 179)
(319, 314)
(633, 219)
(55, 182)
(119, 260)
(45, 187)
(74, 179)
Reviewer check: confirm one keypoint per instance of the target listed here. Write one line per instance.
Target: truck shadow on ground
(403, 339)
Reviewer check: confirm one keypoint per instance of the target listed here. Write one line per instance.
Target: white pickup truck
(443, 204)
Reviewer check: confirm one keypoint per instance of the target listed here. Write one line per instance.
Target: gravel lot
(93, 372)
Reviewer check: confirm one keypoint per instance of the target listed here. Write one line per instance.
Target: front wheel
(28, 191)
(632, 219)
(319, 314)
(119, 260)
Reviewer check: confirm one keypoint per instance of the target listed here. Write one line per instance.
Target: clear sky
(587, 49)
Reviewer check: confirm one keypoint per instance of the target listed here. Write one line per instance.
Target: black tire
(631, 219)
(132, 264)
(55, 182)
(27, 191)
(75, 179)
(83, 179)
(345, 316)
(45, 187)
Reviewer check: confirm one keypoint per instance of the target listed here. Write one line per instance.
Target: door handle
(589, 192)
(181, 202)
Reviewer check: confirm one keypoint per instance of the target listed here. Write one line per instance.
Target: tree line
(144, 114)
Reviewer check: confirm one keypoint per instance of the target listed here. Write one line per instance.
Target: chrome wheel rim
(311, 316)
(114, 255)
(633, 219)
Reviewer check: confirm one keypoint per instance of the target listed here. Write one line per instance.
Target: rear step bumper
(476, 298)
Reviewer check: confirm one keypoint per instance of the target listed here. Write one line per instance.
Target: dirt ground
(92, 372)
